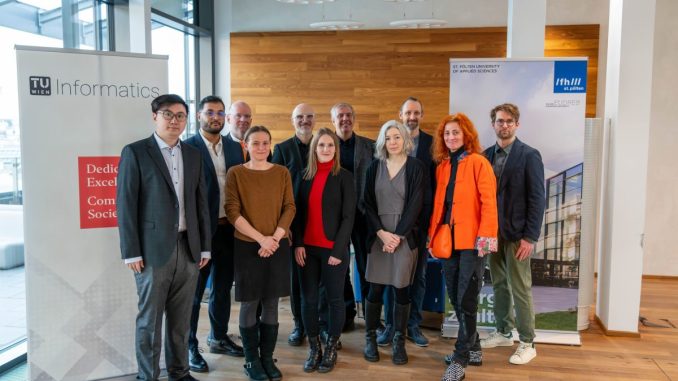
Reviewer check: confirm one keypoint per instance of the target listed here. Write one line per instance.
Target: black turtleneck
(449, 193)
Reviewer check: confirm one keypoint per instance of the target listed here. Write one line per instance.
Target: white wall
(661, 219)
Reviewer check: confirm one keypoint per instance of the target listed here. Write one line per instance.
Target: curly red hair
(471, 142)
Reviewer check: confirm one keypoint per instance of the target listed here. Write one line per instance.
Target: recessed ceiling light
(337, 24)
(418, 23)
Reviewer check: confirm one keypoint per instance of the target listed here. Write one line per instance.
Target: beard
(213, 128)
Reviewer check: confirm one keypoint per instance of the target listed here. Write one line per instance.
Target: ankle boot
(250, 343)
(330, 355)
(315, 353)
(269, 336)
(401, 314)
(372, 317)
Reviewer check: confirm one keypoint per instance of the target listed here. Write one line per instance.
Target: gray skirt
(395, 269)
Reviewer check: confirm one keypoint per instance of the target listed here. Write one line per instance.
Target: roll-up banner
(551, 96)
(77, 110)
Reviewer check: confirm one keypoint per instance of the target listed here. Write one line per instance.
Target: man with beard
(411, 114)
(293, 154)
(356, 154)
(520, 206)
(218, 154)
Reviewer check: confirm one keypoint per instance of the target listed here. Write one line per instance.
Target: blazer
(232, 156)
(147, 205)
(426, 157)
(474, 204)
(520, 193)
(362, 158)
(338, 206)
(408, 226)
(288, 155)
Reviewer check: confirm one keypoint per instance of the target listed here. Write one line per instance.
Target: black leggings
(376, 294)
(250, 310)
(315, 272)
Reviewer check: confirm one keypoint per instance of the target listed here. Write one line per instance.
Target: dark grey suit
(148, 222)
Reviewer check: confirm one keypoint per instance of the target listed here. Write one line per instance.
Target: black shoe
(315, 354)
(330, 356)
(372, 316)
(268, 335)
(296, 337)
(349, 326)
(225, 347)
(324, 335)
(380, 328)
(250, 341)
(475, 358)
(401, 314)
(195, 361)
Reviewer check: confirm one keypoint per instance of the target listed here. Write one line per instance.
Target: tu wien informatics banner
(77, 110)
(551, 96)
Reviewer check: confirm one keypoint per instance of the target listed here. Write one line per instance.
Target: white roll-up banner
(551, 96)
(77, 110)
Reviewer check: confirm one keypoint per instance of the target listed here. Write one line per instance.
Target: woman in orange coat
(466, 199)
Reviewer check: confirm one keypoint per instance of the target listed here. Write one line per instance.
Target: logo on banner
(569, 77)
(40, 85)
(98, 179)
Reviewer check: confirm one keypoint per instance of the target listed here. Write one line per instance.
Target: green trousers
(512, 283)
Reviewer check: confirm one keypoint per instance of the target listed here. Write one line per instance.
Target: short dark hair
(412, 99)
(167, 100)
(210, 99)
(509, 108)
(254, 129)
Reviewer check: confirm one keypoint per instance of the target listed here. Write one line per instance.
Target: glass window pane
(181, 9)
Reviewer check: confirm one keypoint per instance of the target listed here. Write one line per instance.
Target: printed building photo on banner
(551, 96)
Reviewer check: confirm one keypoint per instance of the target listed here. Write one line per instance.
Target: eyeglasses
(508, 122)
(169, 115)
(210, 113)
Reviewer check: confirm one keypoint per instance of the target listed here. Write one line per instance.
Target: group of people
(222, 206)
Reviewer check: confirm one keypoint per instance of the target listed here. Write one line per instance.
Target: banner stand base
(449, 330)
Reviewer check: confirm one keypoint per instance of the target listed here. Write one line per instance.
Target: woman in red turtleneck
(321, 233)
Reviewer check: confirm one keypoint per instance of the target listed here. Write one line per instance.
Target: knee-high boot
(269, 336)
(372, 316)
(250, 344)
(401, 314)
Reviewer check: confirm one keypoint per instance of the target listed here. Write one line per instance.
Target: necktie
(244, 150)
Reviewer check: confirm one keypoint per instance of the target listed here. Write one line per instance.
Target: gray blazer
(147, 206)
(362, 158)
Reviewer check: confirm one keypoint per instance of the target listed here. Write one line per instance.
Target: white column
(627, 108)
(140, 26)
(222, 50)
(526, 23)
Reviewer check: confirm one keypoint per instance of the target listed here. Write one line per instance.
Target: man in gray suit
(164, 226)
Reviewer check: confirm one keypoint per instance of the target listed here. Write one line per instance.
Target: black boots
(314, 354)
(330, 355)
(268, 336)
(401, 314)
(250, 343)
(372, 318)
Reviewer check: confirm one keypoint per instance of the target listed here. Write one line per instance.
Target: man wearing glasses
(217, 158)
(293, 154)
(520, 204)
(163, 220)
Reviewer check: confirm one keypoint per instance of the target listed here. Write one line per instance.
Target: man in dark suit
(164, 226)
(356, 155)
(217, 157)
(411, 114)
(520, 205)
(293, 154)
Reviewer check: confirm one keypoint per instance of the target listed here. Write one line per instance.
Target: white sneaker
(497, 339)
(524, 354)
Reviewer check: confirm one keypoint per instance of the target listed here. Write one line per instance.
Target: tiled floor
(12, 305)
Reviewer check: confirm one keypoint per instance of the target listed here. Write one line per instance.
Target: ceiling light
(337, 24)
(304, 2)
(418, 23)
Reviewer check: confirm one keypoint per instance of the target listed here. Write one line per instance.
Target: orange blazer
(474, 205)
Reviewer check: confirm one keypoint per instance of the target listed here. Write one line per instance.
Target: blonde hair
(380, 151)
(312, 166)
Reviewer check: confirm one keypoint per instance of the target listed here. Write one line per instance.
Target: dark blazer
(147, 206)
(520, 193)
(232, 156)
(287, 154)
(362, 158)
(408, 226)
(338, 206)
(426, 157)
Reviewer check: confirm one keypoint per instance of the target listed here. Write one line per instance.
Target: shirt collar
(350, 141)
(163, 145)
(506, 149)
(209, 143)
(234, 138)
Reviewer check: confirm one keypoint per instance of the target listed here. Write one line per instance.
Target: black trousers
(221, 270)
(312, 274)
(463, 279)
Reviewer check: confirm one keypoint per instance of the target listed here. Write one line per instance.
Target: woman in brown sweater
(260, 204)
